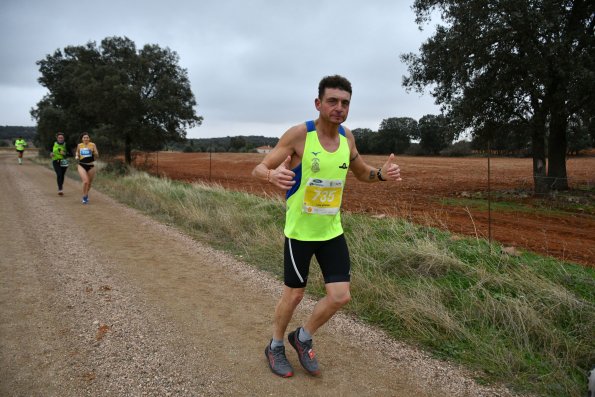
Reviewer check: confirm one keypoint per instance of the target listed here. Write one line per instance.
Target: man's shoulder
(300, 128)
(294, 139)
(295, 133)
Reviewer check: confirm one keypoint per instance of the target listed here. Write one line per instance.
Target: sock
(276, 343)
(304, 335)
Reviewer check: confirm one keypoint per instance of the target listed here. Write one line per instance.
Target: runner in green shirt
(20, 145)
(310, 163)
(59, 161)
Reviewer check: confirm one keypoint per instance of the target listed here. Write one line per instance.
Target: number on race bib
(323, 196)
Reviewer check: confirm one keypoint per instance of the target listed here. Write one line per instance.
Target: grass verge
(577, 201)
(525, 321)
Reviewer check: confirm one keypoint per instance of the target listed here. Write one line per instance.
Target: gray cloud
(254, 66)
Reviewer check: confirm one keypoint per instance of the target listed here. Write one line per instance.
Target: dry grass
(527, 321)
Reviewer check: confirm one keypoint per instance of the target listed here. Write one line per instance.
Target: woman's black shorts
(86, 167)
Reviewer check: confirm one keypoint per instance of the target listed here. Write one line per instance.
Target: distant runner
(20, 145)
(310, 162)
(86, 154)
(59, 161)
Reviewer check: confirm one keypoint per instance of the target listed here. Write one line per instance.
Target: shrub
(117, 167)
(415, 150)
(458, 149)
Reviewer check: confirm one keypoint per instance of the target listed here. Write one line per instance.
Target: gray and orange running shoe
(278, 361)
(305, 353)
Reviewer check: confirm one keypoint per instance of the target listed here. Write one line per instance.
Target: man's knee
(293, 296)
(339, 297)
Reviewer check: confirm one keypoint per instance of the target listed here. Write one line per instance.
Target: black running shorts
(332, 256)
(86, 167)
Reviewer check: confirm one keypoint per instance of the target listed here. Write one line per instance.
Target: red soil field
(541, 225)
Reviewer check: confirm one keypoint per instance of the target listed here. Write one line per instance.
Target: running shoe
(60, 193)
(305, 353)
(278, 361)
(85, 200)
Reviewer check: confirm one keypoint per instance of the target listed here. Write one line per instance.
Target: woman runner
(86, 154)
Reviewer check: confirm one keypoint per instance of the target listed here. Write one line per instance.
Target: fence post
(489, 200)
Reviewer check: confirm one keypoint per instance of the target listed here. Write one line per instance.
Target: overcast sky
(254, 65)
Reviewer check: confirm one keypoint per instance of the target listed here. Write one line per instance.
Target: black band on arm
(379, 175)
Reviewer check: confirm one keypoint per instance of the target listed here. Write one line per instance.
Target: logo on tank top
(343, 167)
(315, 165)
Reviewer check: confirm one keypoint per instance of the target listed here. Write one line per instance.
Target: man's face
(60, 138)
(334, 105)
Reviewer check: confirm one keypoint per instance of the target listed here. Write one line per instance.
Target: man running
(59, 161)
(20, 145)
(310, 162)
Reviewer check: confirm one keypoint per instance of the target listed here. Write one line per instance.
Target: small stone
(512, 251)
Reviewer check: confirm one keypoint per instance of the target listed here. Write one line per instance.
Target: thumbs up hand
(282, 176)
(391, 171)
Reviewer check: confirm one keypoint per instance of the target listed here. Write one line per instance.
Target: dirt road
(100, 300)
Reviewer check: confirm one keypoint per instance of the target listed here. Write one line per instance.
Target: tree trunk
(127, 150)
(541, 185)
(557, 145)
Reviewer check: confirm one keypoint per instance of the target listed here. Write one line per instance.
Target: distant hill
(12, 132)
(225, 144)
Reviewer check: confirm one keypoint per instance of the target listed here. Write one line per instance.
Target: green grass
(580, 200)
(526, 321)
(500, 206)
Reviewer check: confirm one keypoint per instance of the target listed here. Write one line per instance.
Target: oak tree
(497, 63)
(126, 98)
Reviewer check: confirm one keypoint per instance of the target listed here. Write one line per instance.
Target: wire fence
(466, 196)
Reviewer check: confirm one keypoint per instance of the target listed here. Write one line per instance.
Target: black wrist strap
(379, 175)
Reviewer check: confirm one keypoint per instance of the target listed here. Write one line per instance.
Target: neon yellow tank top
(314, 202)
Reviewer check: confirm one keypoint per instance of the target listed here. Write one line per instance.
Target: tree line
(432, 135)
(437, 135)
(9, 133)
(237, 144)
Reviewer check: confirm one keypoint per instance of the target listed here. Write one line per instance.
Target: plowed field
(439, 192)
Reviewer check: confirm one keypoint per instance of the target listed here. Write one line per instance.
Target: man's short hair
(335, 81)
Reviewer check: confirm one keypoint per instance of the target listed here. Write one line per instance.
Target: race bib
(86, 152)
(323, 196)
